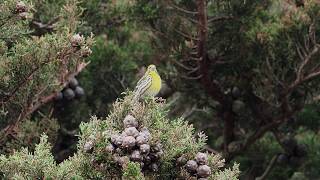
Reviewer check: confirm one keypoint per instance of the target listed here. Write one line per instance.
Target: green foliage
(120, 48)
(34, 67)
(12, 26)
(309, 117)
(257, 46)
(25, 165)
(177, 138)
(30, 132)
(132, 171)
(254, 46)
(229, 173)
(47, 10)
(311, 139)
(40, 164)
(36, 62)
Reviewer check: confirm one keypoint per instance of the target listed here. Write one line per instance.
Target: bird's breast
(155, 85)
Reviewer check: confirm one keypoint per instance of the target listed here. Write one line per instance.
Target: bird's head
(152, 68)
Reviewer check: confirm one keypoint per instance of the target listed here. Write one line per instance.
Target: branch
(32, 108)
(183, 10)
(209, 149)
(312, 75)
(305, 61)
(269, 167)
(220, 18)
(305, 54)
(185, 35)
(261, 132)
(23, 82)
(48, 26)
(271, 74)
(300, 77)
(278, 138)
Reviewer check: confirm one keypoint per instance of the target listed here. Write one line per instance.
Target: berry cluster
(71, 91)
(198, 167)
(21, 9)
(234, 94)
(237, 104)
(132, 145)
(295, 152)
(78, 43)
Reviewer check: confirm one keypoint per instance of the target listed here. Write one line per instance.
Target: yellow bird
(149, 84)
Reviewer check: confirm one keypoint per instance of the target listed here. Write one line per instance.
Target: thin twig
(192, 77)
(219, 18)
(268, 169)
(47, 26)
(184, 10)
(186, 35)
(209, 149)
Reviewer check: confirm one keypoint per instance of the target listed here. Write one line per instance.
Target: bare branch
(211, 150)
(270, 73)
(48, 26)
(183, 66)
(186, 35)
(301, 56)
(312, 33)
(219, 18)
(192, 78)
(268, 169)
(194, 70)
(183, 10)
(300, 76)
(312, 75)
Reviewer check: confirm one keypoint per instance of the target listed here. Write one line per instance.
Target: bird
(149, 84)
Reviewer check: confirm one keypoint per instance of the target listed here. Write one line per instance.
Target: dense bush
(96, 160)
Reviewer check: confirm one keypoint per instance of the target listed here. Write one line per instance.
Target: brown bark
(212, 88)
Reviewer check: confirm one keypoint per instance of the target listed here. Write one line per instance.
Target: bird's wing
(143, 78)
(143, 84)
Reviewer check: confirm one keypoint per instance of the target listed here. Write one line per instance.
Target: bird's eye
(151, 67)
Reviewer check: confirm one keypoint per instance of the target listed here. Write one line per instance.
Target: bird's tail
(136, 96)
